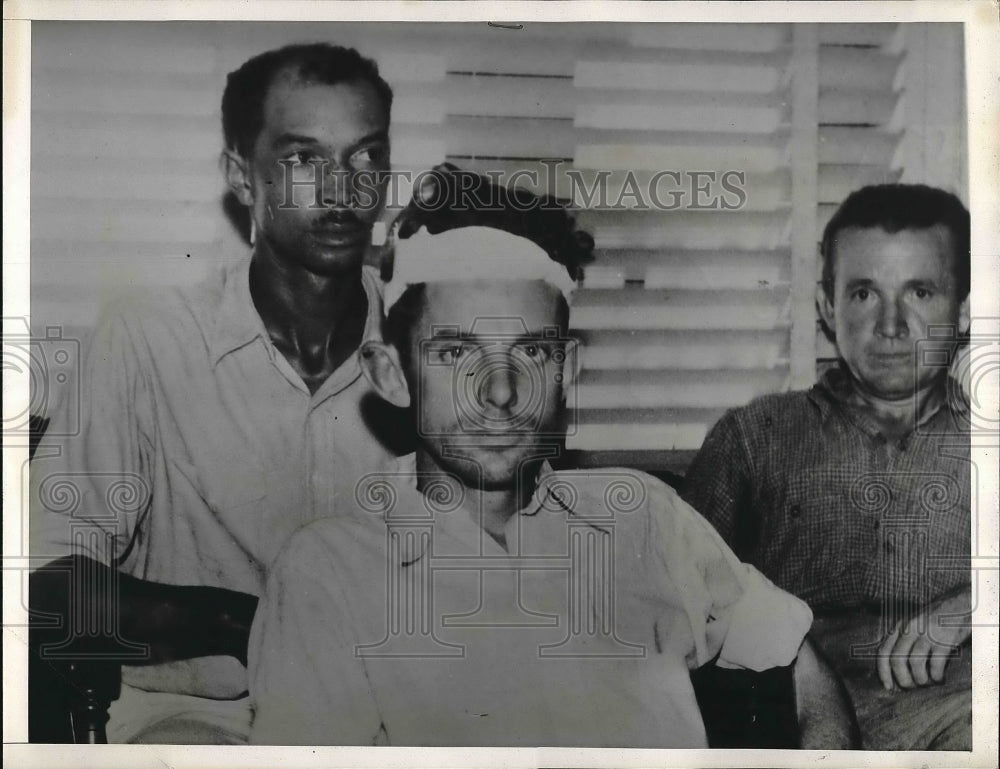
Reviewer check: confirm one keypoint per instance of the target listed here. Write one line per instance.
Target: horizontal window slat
(509, 96)
(122, 137)
(687, 231)
(856, 35)
(716, 354)
(508, 137)
(851, 69)
(856, 107)
(704, 69)
(158, 222)
(109, 47)
(693, 269)
(727, 118)
(756, 154)
(673, 388)
(836, 182)
(856, 146)
(79, 92)
(637, 308)
(60, 189)
(751, 38)
(525, 57)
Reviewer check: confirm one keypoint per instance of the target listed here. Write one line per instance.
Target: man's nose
(338, 186)
(891, 321)
(498, 386)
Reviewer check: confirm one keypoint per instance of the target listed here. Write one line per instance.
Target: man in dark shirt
(855, 495)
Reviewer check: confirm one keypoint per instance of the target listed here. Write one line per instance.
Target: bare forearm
(174, 622)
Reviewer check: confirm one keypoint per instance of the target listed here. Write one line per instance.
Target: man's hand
(917, 650)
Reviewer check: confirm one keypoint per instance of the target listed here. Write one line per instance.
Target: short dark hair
(247, 87)
(895, 207)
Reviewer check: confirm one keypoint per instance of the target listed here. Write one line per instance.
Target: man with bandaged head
(475, 596)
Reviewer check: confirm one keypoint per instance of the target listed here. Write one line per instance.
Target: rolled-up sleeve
(90, 484)
(737, 615)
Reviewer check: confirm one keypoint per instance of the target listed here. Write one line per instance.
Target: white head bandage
(471, 253)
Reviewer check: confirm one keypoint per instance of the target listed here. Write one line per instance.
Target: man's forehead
(290, 90)
(497, 307)
(874, 249)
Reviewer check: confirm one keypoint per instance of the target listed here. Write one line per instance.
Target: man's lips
(340, 233)
(890, 358)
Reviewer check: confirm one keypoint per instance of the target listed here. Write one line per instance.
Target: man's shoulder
(151, 307)
(341, 544)
(168, 315)
(618, 495)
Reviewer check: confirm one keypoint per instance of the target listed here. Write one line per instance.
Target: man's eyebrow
(922, 283)
(381, 135)
(859, 283)
(292, 138)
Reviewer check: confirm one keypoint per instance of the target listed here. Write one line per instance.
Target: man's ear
(825, 307)
(964, 320)
(236, 170)
(381, 366)
(572, 363)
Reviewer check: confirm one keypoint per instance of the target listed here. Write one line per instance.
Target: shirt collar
(455, 527)
(237, 322)
(832, 390)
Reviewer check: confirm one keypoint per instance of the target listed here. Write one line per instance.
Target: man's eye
(373, 155)
(302, 157)
(862, 294)
(535, 351)
(449, 354)
(922, 293)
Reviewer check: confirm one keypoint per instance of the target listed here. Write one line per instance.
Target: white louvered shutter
(685, 313)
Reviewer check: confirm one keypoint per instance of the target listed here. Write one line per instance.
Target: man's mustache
(339, 217)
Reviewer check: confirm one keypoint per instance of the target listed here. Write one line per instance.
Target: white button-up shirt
(198, 451)
(409, 625)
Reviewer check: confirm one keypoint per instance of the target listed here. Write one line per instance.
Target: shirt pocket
(804, 544)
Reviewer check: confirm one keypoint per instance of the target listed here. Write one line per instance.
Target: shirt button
(796, 511)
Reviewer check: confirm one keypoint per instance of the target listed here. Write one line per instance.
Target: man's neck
(491, 509)
(897, 418)
(315, 321)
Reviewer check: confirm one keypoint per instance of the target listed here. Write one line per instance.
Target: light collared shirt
(409, 625)
(197, 452)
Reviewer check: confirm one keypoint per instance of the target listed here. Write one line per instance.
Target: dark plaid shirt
(806, 488)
